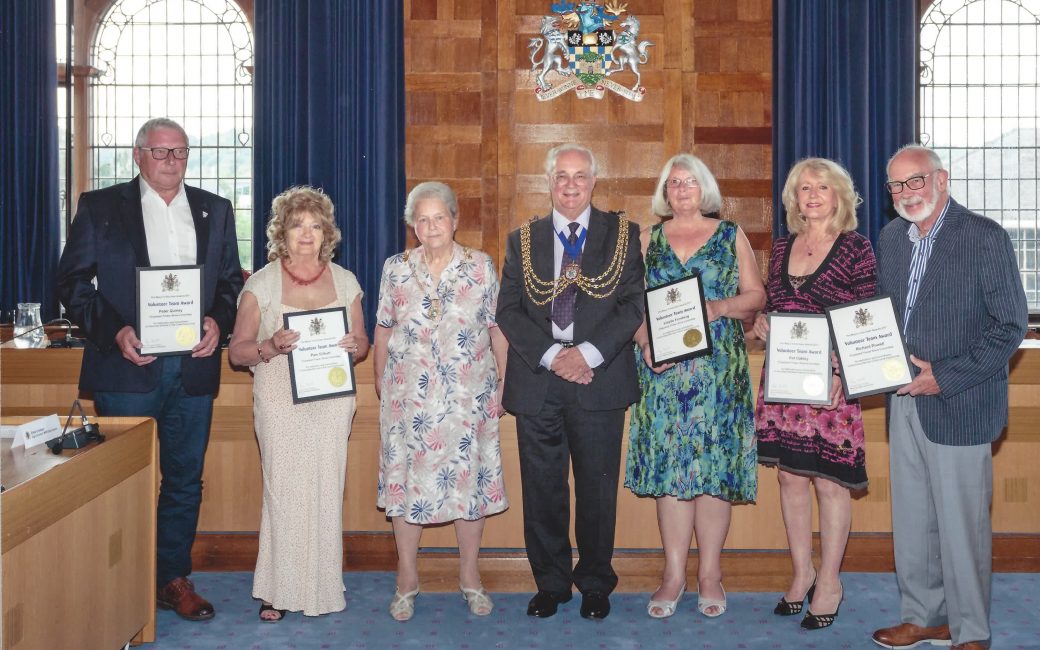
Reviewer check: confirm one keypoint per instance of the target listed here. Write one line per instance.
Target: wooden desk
(78, 541)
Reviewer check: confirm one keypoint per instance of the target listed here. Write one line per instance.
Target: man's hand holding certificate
(318, 367)
(870, 347)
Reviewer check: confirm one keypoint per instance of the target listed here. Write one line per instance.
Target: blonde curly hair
(286, 211)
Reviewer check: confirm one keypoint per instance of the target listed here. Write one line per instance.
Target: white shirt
(593, 357)
(168, 229)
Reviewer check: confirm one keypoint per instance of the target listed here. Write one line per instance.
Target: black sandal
(820, 621)
(266, 607)
(790, 608)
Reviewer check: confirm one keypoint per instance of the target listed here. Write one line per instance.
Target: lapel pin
(204, 214)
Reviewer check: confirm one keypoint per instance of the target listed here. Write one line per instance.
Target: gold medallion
(692, 338)
(571, 271)
(337, 376)
(185, 336)
(435, 308)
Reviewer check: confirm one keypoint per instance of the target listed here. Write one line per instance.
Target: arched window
(979, 112)
(189, 60)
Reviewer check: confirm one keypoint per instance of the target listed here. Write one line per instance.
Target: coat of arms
(578, 44)
(862, 317)
(171, 282)
(316, 326)
(799, 330)
(672, 296)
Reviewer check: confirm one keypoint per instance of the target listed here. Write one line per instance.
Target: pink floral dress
(440, 455)
(800, 438)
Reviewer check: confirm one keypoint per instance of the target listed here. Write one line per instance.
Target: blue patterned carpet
(442, 621)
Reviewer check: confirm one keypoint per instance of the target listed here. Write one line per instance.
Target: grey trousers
(941, 527)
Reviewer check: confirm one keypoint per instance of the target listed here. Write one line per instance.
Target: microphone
(78, 437)
(68, 342)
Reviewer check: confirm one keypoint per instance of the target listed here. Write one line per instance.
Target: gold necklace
(542, 292)
(435, 310)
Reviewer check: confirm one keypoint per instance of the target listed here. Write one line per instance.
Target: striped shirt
(919, 260)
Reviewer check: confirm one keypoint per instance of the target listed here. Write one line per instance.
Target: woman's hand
(284, 341)
(649, 361)
(836, 392)
(350, 343)
(761, 328)
(495, 407)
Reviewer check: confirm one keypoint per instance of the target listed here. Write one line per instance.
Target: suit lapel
(942, 251)
(200, 215)
(133, 221)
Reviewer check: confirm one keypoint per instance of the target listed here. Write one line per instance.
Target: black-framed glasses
(913, 183)
(161, 153)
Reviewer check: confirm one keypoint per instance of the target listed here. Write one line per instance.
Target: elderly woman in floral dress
(439, 363)
(823, 262)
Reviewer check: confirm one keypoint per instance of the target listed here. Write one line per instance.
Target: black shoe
(820, 621)
(595, 604)
(544, 603)
(790, 608)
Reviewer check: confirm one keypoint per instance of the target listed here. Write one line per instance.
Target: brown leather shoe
(179, 595)
(908, 635)
(970, 645)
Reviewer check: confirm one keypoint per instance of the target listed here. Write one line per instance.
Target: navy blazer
(107, 242)
(607, 323)
(969, 318)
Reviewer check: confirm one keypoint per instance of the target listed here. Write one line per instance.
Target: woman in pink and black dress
(822, 262)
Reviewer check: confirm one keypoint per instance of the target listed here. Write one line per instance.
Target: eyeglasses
(913, 183)
(578, 179)
(689, 182)
(160, 153)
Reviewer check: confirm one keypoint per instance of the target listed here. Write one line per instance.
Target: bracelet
(260, 352)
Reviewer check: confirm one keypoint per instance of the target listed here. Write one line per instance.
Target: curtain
(30, 221)
(329, 112)
(844, 88)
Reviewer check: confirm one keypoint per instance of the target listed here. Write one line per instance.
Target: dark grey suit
(969, 318)
(558, 421)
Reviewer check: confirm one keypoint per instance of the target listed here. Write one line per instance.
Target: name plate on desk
(676, 321)
(318, 367)
(870, 347)
(798, 359)
(169, 309)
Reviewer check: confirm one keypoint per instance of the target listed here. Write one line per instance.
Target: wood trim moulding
(733, 135)
(507, 570)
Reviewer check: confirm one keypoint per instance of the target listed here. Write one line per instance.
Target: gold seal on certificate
(169, 309)
(692, 338)
(337, 376)
(798, 359)
(870, 347)
(318, 367)
(186, 334)
(676, 321)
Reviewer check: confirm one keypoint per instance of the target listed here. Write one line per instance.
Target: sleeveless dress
(303, 455)
(800, 438)
(692, 430)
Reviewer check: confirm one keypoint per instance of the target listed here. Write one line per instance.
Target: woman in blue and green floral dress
(692, 436)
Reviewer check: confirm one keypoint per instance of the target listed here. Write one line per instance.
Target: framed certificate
(169, 309)
(870, 347)
(676, 321)
(318, 367)
(798, 359)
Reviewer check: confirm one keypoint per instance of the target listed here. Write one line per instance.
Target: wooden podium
(78, 540)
